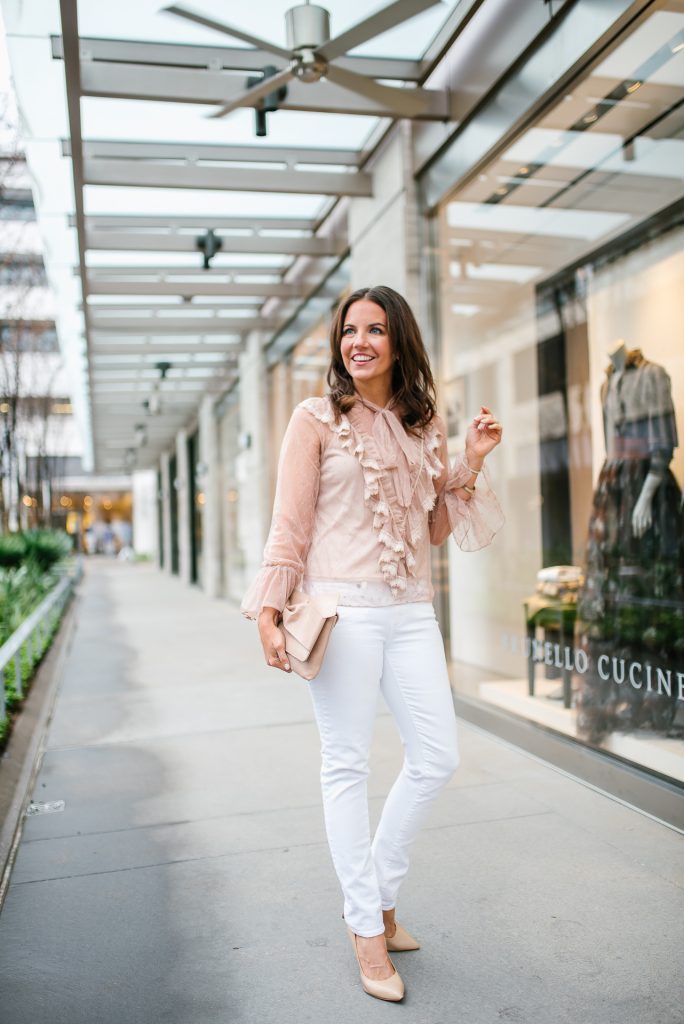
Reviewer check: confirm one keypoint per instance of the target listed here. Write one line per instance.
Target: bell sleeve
(472, 523)
(293, 517)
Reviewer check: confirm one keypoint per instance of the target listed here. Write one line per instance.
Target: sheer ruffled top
(360, 500)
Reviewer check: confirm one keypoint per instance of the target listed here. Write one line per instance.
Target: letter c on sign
(603, 661)
(637, 686)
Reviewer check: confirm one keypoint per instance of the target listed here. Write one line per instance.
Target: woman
(364, 487)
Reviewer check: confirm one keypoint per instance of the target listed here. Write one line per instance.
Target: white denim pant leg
(416, 688)
(398, 649)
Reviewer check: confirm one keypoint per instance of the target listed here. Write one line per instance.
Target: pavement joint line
(227, 817)
(285, 848)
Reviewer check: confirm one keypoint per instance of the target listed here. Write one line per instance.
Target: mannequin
(641, 517)
(631, 605)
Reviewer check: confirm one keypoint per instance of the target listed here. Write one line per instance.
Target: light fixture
(269, 104)
(152, 405)
(208, 244)
(634, 86)
(140, 434)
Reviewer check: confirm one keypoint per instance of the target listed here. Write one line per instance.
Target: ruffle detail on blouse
(271, 588)
(400, 530)
(473, 523)
(322, 409)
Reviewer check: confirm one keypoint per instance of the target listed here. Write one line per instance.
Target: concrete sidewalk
(188, 880)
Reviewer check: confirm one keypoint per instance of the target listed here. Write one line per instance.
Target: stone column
(212, 555)
(383, 230)
(166, 484)
(183, 495)
(145, 530)
(252, 464)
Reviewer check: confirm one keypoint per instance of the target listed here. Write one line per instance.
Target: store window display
(631, 607)
(561, 286)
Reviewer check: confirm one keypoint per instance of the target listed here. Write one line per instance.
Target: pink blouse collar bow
(387, 429)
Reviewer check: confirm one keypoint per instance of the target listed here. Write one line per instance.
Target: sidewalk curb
(26, 744)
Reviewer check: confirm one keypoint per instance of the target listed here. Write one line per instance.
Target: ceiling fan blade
(381, 21)
(249, 97)
(403, 102)
(229, 30)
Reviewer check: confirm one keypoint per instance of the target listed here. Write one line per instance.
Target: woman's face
(365, 345)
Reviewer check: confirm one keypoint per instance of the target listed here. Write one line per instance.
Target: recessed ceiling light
(634, 86)
(590, 118)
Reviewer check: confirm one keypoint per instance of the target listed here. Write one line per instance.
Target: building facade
(537, 232)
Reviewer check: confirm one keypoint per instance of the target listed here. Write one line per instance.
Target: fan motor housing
(308, 27)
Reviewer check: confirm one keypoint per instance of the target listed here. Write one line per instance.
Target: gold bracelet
(470, 490)
(475, 471)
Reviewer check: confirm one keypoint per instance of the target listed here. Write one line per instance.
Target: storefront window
(561, 297)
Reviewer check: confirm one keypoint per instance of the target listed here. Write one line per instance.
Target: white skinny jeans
(398, 650)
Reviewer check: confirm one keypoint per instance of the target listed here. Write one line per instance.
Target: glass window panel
(147, 121)
(131, 19)
(561, 284)
(104, 199)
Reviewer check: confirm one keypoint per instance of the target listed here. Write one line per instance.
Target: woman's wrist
(269, 614)
(473, 462)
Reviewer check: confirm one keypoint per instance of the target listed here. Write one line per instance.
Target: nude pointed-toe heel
(390, 989)
(401, 941)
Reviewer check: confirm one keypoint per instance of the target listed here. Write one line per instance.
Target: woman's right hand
(272, 639)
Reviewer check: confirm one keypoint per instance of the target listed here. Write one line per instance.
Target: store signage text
(609, 667)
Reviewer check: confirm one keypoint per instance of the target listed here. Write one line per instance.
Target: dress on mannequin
(631, 606)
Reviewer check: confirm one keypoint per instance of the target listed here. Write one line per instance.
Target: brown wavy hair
(413, 386)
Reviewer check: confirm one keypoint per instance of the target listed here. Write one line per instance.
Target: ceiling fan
(312, 53)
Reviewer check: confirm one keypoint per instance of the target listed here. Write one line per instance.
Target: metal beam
(187, 222)
(171, 307)
(288, 155)
(167, 272)
(69, 20)
(215, 58)
(137, 365)
(98, 286)
(181, 85)
(177, 325)
(137, 174)
(168, 242)
(160, 349)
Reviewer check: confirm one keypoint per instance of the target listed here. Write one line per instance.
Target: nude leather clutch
(307, 622)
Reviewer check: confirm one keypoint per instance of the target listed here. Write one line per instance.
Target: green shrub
(12, 550)
(46, 547)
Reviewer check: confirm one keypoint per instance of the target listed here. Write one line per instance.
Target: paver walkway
(187, 879)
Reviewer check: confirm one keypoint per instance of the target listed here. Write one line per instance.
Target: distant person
(108, 540)
(364, 487)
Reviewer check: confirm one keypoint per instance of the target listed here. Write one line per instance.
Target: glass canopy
(156, 178)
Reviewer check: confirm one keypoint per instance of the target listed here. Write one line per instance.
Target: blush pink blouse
(358, 504)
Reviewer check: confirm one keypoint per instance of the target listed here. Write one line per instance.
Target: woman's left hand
(484, 433)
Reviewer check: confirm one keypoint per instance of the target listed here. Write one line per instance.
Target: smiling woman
(378, 353)
(364, 489)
